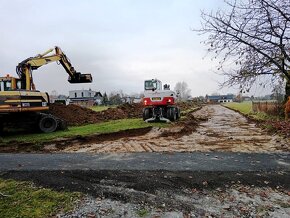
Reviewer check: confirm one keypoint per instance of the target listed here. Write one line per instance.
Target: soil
(75, 115)
(170, 194)
(220, 129)
(167, 194)
(212, 128)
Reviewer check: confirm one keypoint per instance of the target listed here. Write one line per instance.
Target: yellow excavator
(21, 105)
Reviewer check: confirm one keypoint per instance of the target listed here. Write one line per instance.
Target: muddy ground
(213, 128)
(168, 194)
(174, 194)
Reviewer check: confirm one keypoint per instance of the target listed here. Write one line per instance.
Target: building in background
(219, 98)
(85, 98)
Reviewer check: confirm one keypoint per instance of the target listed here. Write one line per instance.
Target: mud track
(221, 130)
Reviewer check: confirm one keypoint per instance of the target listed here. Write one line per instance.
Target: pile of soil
(186, 105)
(189, 125)
(75, 115)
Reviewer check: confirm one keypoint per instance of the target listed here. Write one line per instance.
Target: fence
(268, 107)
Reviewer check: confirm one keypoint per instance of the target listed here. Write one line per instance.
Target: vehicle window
(7, 86)
(150, 85)
(18, 84)
(1, 86)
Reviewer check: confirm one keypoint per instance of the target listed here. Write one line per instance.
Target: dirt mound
(75, 115)
(189, 125)
(186, 105)
(131, 110)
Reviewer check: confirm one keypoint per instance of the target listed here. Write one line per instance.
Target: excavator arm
(25, 68)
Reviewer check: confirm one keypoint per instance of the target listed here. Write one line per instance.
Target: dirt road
(224, 130)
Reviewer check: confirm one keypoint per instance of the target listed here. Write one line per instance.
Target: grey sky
(121, 42)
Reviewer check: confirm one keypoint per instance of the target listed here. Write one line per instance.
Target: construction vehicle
(159, 105)
(21, 105)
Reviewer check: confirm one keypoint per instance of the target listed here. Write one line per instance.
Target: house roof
(218, 97)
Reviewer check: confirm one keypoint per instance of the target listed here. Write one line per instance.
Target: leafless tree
(183, 90)
(252, 40)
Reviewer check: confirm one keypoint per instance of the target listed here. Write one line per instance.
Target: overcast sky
(120, 42)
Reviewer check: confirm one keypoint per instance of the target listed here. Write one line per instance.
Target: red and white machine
(159, 105)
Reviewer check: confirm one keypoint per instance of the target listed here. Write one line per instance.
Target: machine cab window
(18, 84)
(5, 85)
(152, 85)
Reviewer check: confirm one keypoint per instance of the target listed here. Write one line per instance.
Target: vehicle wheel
(47, 124)
(62, 125)
(146, 113)
(178, 115)
(171, 114)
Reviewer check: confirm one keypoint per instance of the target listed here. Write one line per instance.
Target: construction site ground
(212, 128)
(199, 184)
(214, 162)
(206, 128)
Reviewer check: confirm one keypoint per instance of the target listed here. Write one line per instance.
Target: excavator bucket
(81, 78)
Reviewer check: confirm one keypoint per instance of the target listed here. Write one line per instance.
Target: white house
(85, 97)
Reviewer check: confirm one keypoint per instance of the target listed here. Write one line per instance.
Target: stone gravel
(235, 201)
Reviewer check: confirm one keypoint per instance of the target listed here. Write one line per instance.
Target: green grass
(101, 108)
(23, 199)
(246, 108)
(105, 127)
(142, 213)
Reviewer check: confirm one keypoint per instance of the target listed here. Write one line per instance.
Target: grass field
(246, 108)
(105, 127)
(23, 199)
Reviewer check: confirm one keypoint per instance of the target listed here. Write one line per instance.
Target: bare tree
(183, 90)
(252, 38)
(278, 93)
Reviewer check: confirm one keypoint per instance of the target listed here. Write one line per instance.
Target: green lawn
(23, 199)
(105, 127)
(246, 108)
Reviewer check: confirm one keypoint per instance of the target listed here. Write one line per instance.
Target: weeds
(142, 213)
(23, 199)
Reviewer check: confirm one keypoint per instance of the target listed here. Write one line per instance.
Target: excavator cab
(10, 83)
(153, 85)
(5, 84)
